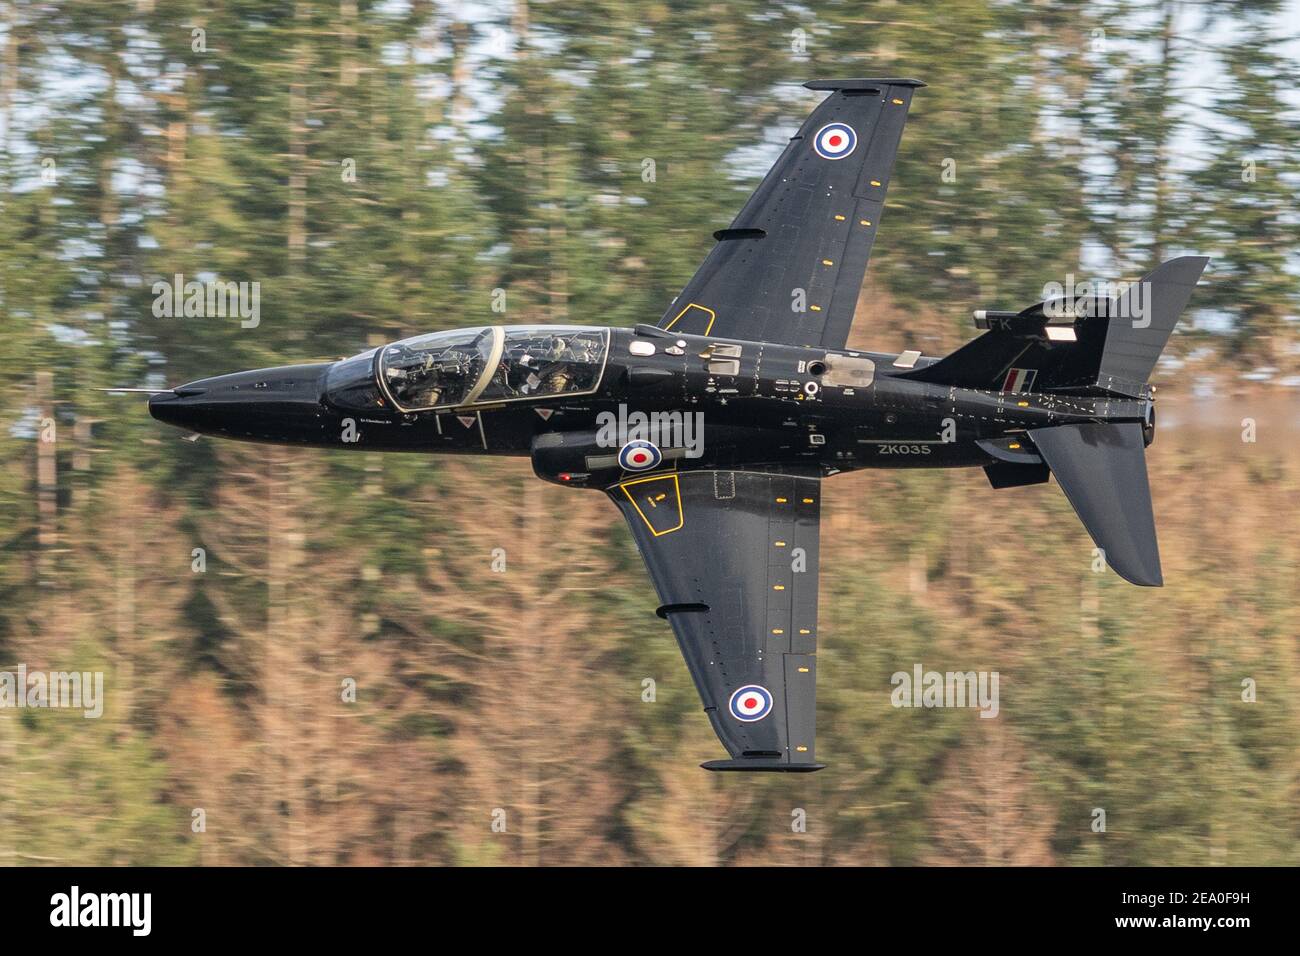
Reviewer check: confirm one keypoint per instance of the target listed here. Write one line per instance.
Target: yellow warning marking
(1023, 404)
(839, 218)
(677, 489)
(712, 317)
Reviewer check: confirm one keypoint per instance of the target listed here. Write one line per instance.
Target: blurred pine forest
(384, 168)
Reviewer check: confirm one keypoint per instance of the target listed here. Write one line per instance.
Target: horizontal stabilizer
(1102, 470)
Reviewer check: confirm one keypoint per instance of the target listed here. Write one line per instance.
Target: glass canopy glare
(492, 364)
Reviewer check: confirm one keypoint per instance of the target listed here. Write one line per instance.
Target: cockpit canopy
(492, 364)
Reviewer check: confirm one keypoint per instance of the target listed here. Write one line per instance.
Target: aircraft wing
(790, 267)
(733, 557)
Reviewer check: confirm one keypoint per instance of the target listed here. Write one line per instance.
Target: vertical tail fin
(1102, 470)
(1105, 344)
(1143, 319)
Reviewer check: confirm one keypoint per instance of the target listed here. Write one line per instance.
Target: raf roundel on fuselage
(639, 456)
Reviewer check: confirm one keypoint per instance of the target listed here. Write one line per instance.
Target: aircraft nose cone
(169, 407)
(275, 404)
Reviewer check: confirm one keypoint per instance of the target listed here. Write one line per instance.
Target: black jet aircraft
(752, 351)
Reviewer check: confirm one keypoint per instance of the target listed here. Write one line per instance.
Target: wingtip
(862, 83)
(761, 766)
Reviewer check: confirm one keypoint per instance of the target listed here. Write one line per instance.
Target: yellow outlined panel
(705, 310)
(658, 500)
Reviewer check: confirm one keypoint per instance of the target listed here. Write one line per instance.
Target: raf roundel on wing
(835, 141)
(751, 702)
